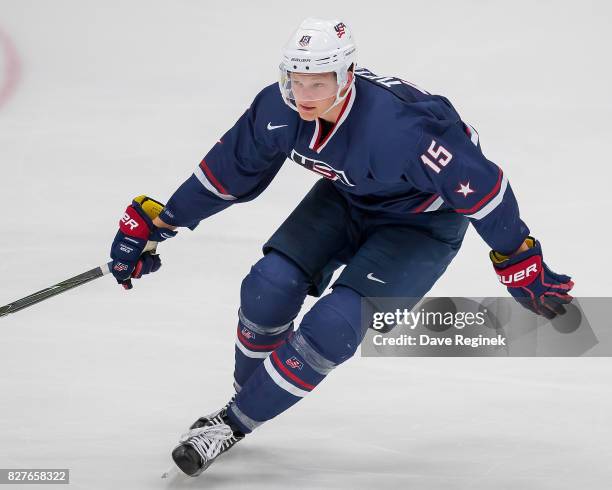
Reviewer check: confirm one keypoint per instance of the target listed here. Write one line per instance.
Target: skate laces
(208, 440)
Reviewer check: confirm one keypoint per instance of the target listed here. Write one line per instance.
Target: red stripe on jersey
(485, 199)
(426, 204)
(318, 143)
(319, 130)
(213, 180)
(289, 374)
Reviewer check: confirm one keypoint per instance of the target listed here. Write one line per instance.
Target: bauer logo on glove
(128, 222)
(521, 274)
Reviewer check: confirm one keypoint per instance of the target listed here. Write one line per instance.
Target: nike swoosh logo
(270, 127)
(371, 277)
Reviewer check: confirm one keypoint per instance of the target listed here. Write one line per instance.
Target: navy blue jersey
(394, 150)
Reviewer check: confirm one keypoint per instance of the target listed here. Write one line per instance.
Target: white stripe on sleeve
(493, 203)
(201, 176)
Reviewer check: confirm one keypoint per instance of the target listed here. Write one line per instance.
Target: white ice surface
(121, 98)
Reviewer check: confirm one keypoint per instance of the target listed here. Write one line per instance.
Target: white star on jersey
(464, 189)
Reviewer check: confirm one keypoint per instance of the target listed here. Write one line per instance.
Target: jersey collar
(316, 143)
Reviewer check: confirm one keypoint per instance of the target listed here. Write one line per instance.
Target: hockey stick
(62, 287)
(59, 288)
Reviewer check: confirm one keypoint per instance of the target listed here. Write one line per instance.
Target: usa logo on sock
(294, 363)
(247, 333)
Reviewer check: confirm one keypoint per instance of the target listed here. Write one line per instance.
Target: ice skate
(208, 438)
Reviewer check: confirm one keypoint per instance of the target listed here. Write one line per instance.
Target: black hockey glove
(133, 249)
(531, 282)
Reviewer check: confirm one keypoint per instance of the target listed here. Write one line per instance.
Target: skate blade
(173, 472)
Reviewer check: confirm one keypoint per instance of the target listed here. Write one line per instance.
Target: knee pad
(274, 290)
(333, 327)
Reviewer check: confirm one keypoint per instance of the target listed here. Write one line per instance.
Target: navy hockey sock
(329, 335)
(254, 343)
(271, 297)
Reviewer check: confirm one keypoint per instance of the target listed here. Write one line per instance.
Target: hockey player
(403, 177)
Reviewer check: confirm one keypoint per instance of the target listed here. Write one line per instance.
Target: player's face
(314, 93)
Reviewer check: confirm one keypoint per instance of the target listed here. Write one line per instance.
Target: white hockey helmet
(318, 46)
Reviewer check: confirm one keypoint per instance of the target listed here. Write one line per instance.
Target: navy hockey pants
(275, 365)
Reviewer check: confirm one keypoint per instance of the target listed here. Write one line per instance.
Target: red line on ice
(12, 68)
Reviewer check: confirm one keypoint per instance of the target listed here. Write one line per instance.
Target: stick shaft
(59, 288)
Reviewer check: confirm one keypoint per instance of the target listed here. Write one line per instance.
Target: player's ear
(349, 77)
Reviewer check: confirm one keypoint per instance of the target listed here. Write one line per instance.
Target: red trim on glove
(138, 270)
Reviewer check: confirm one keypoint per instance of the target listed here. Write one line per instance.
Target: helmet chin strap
(336, 102)
(340, 98)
